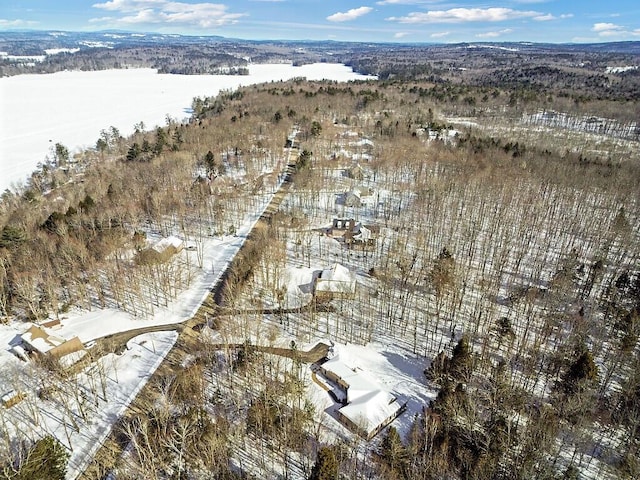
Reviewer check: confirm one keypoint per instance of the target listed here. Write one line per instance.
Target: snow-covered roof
(165, 243)
(337, 272)
(371, 409)
(339, 368)
(337, 279)
(72, 358)
(361, 156)
(298, 285)
(364, 235)
(10, 396)
(368, 404)
(363, 142)
(41, 339)
(293, 277)
(355, 192)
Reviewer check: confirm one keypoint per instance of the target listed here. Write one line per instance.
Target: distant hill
(34, 42)
(584, 71)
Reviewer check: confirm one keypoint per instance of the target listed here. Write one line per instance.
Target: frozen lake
(38, 111)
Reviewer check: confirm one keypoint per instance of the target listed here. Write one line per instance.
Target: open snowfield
(71, 108)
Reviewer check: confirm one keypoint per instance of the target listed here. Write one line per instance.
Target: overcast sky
(382, 21)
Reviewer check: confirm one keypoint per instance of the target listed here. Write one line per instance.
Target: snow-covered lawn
(71, 108)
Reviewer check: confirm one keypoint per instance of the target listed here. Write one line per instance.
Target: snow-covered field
(71, 108)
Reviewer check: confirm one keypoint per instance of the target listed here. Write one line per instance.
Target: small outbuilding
(12, 398)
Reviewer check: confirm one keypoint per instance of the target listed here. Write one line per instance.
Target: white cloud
(612, 30)
(349, 15)
(494, 34)
(127, 5)
(400, 35)
(15, 23)
(603, 27)
(460, 15)
(102, 20)
(200, 15)
(440, 34)
(407, 2)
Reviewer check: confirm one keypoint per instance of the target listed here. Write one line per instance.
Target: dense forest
(506, 268)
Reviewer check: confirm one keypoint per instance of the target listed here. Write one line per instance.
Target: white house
(367, 406)
(41, 340)
(336, 281)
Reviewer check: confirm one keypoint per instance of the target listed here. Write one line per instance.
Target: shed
(12, 398)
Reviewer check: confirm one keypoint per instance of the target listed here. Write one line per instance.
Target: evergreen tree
(209, 161)
(583, 370)
(326, 466)
(102, 145)
(161, 141)
(304, 160)
(461, 359)
(11, 236)
(134, 152)
(47, 460)
(61, 154)
(316, 128)
(393, 454)
(439, 368)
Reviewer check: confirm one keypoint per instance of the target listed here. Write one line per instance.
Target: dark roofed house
(341, 226)
(354, 234)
